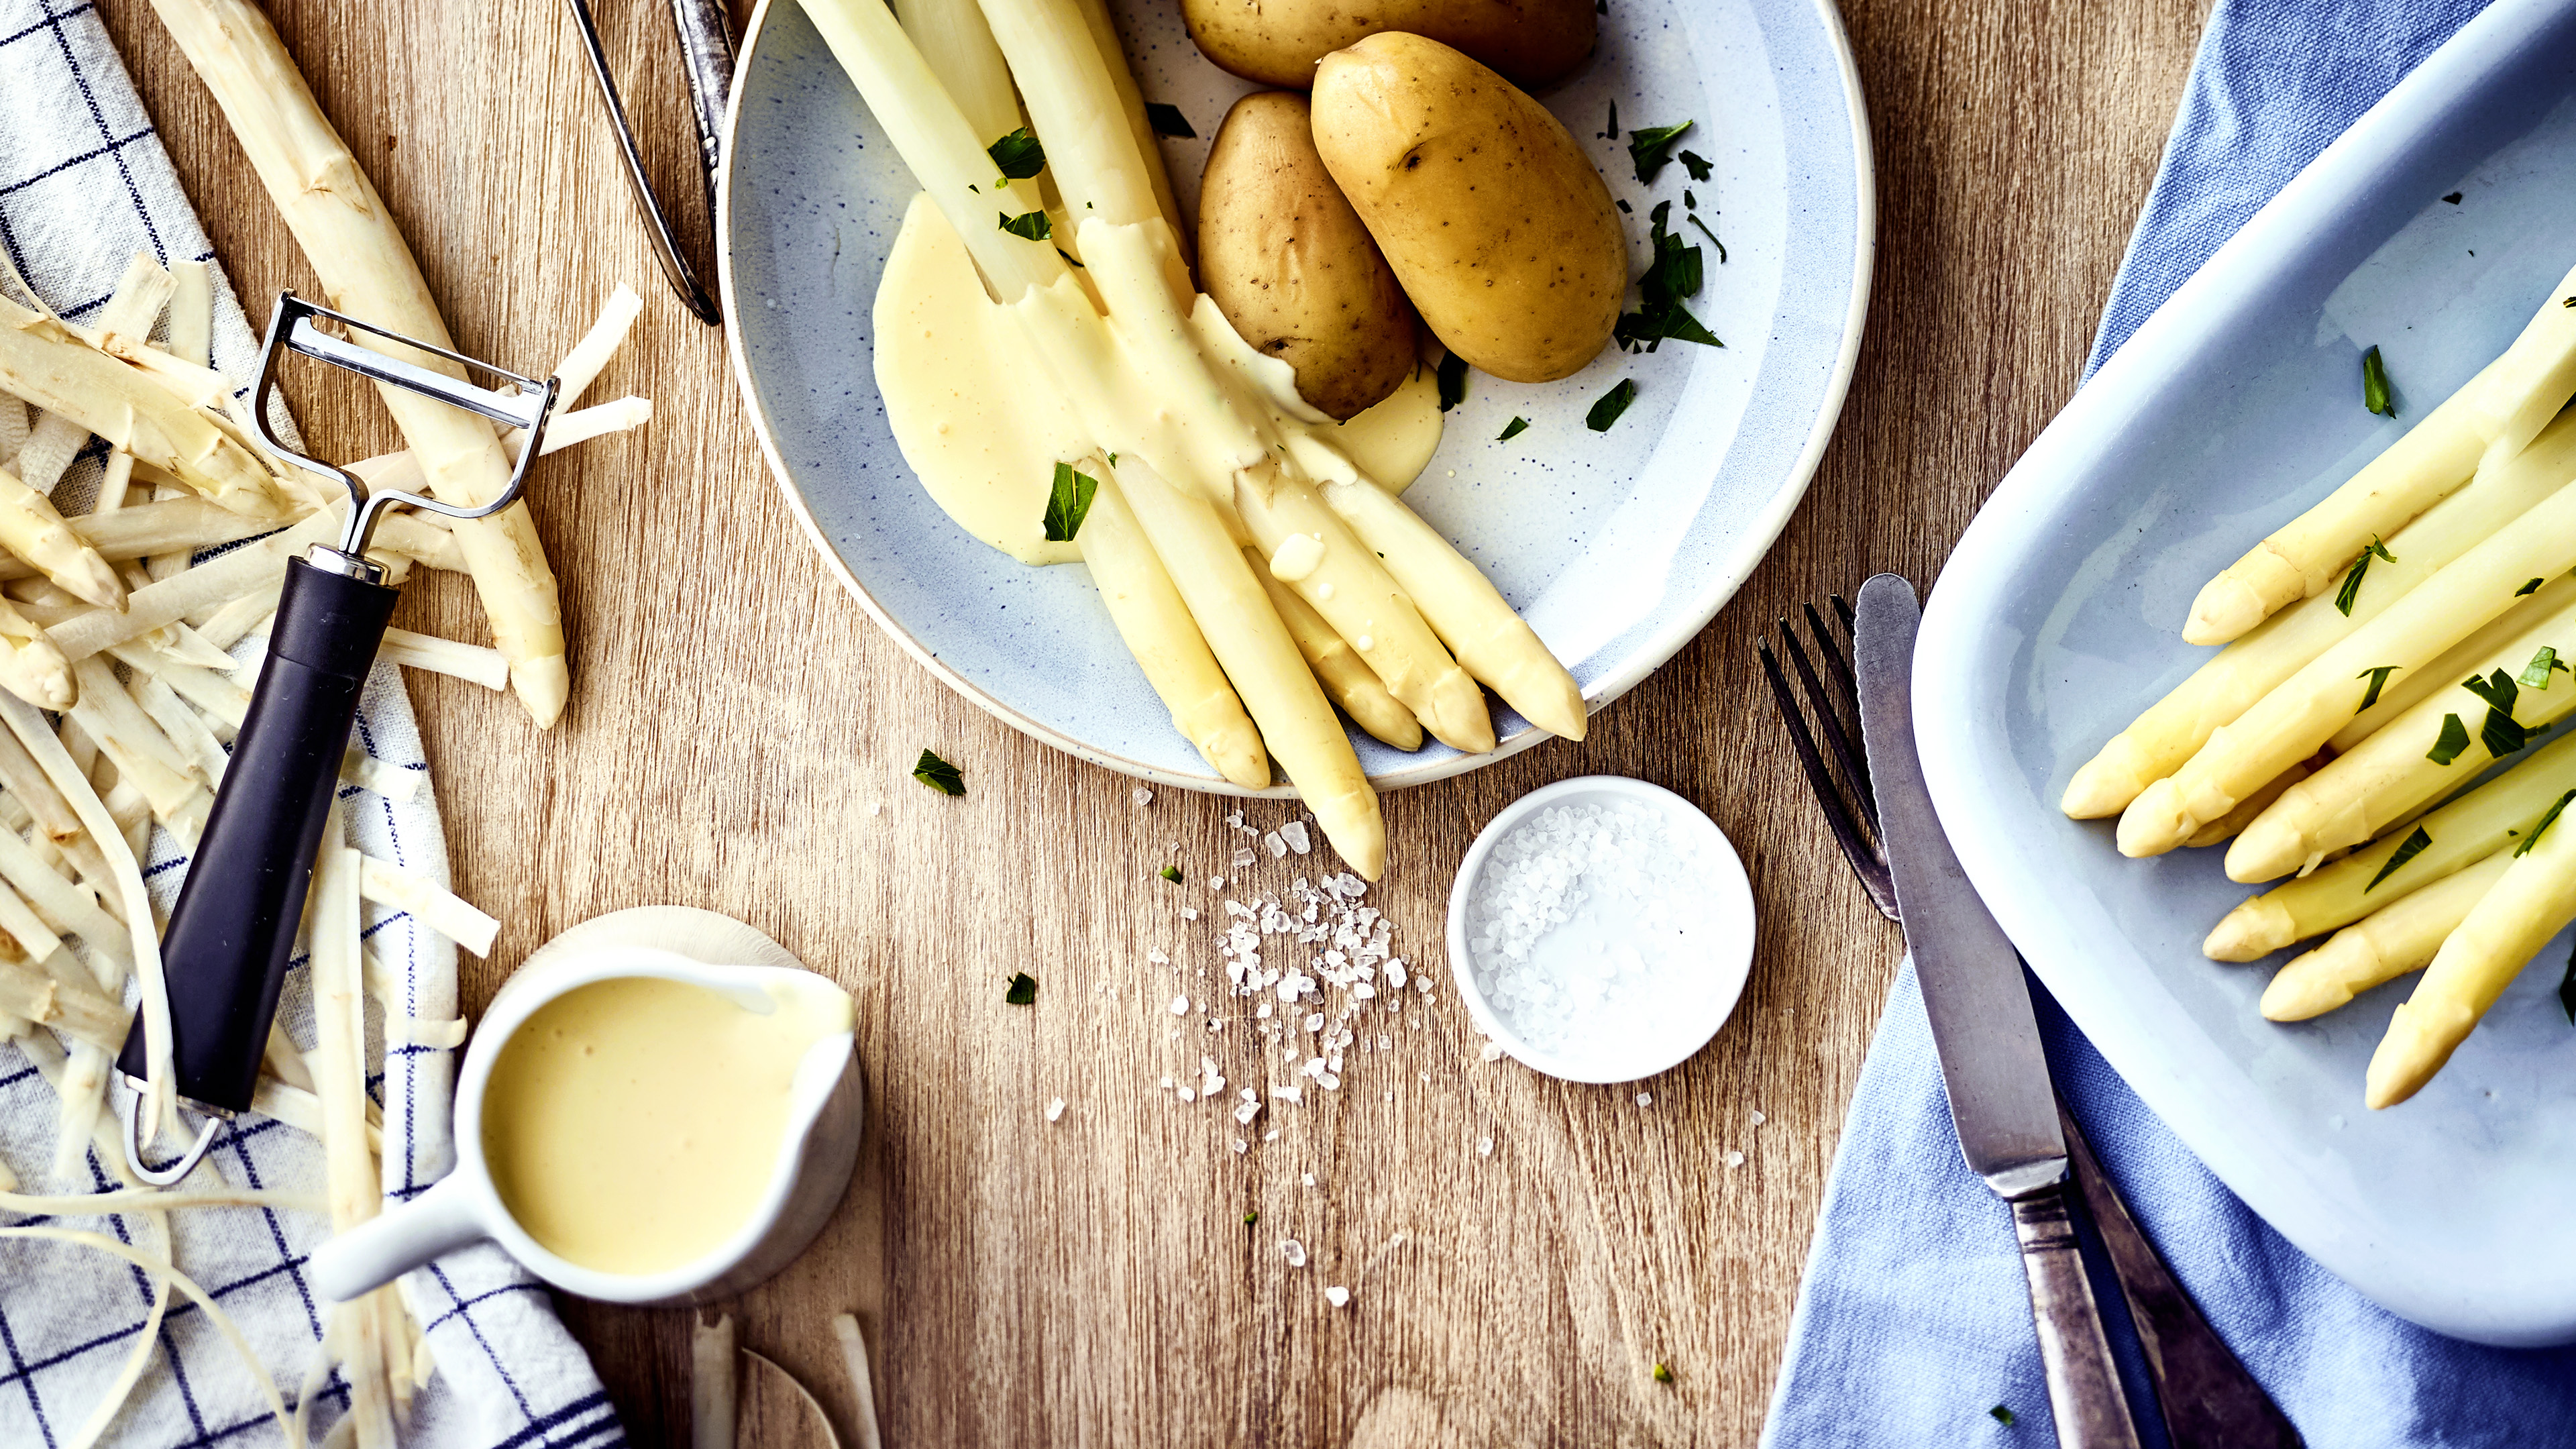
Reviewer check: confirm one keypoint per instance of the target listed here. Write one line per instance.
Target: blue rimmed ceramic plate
(2235, 407)
(1616, 547)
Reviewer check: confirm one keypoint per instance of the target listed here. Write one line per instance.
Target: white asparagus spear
(2456, 836)
(1347, 680)
(2288, 724)
(367, 267)
(2532, 901)
(2411, 762)
(2485, 423)
(32, 666)
(339, 1065)
(2399, 937)
(178, 526)
(192, 313)
(2228, 826)
(433, 905)
(2176, 726)
(1166, 642)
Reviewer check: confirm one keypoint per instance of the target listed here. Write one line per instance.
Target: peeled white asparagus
(46, 364)
(2399, 937)
(1166, 642)
(216, 581)
(2288, 724)
(32, 530)
(470, 662)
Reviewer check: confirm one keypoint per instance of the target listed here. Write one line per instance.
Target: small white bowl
(1702, 1011)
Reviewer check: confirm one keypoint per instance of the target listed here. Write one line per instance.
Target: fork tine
(1847, 686)
(1831, 719)
(1859, 849)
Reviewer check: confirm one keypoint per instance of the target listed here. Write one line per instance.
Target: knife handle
(2084, 1393)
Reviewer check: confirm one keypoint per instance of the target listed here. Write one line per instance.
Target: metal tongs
(225, 953)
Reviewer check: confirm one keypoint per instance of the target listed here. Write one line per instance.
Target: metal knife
(2001, 1101)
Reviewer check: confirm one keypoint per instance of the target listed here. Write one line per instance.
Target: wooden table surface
(737, 719)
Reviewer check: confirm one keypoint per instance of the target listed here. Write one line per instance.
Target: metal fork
(2207, 1398)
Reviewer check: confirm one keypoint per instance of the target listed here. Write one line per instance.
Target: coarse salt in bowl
(1601, 929)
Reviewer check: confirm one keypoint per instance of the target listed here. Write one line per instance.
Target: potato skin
(1287, 261)
(1497, 224)
(1533, 43)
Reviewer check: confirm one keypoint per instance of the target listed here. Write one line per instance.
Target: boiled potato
(1287, 261)
(1277, 42)
(1496, 223)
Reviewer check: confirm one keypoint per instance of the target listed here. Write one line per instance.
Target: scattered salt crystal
(1758, 1118)
(1142, 796)
(1270, 1136)
(875, 809)
(1185, 1094)
(1288, 1094)
(1245, 1113)
(1157, 956)
(1645, 1099)
(1241, 1146)
(1484, 1145)
(1294, 1252)
(1338, 1297)
(1243, 857)
(1735, 1159)
(1180, 1006)
(1167, 1083)
(1493, 1052)
(1309, 1179)
(1055, 1109)
(1294, 832)
(1395, 972)
(1189, 913)
(1261, 1012)
(1315, 1022)
(1276, 846)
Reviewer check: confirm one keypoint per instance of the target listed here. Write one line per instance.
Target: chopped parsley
(2411, 847)
(1607, 408)
(2350, 593)
(1023, 990)
(938, 774)
(2374, 385)
(2455, 738)
(1168, 121)
(1697, 165)
(2541, 829)
(1673, 275)
(1018, 155)
(1613, 133)
(2535, 675)
(2500, 734)
(2377, 674)
(1689, 201)
(2001, 1415)
(2530, 588)
(2497, 689)
(2453, 198)
(1651, 147)
(1663, 1374)
(1513, 429)
(1712, 239)
(1453, 381)
(1032, 225)
(1251, 1217)
(1624, 208)
(1171, 873)
(1070, 257)
(1068, 503)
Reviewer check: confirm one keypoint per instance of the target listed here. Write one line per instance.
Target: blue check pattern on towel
(84, 184)
(1914, 1319)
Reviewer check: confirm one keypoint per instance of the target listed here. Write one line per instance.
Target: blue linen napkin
(1913, 1323)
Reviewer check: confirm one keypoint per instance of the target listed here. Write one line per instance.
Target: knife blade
(2001, 1102)
(2000, 1098)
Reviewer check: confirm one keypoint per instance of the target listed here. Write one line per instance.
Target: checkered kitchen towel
(84, 184)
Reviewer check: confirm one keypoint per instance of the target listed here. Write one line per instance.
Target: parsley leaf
(1453, 381)
(2413, 846)
(2530, 588)
(1018, 155)
(1651, 147)
(1663, 1374)
(1032, 225)
(2567, 989)
(1697, 165)
(1613, 133)
(1513, 429)
(1076, 262)
(2535, 675)
(1674, 274)
(938, 774)
(1023, 990)
(2350, 593)
(2542, 828)
(2497, 689)
(1172, 873)
(2454, 739)
(1712, 239)
(1251, 1217)
(2001, 1415)
(1168, 121)
(1068, 503)
(2377, 674)
(1607, 408)
(2374, 385)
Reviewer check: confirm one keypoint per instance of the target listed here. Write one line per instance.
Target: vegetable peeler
(225, 952)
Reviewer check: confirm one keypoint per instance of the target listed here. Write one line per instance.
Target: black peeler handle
(226, 949)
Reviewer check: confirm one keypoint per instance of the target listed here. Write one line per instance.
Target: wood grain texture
(736, 721)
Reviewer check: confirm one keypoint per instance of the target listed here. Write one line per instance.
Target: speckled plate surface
(2232, 409)
(1616, 547)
